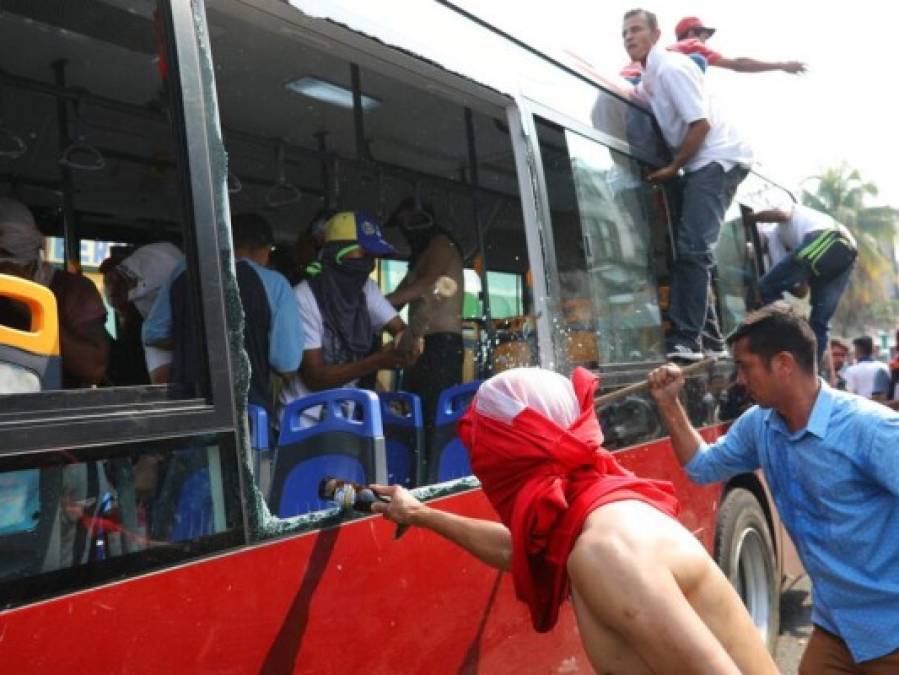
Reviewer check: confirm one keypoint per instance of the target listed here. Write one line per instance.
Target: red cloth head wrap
(544, 480)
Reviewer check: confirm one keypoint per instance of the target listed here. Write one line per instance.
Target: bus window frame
(621, 374)
(98, 416)
(45, 585)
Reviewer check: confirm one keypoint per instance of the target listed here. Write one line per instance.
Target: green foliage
(870, 299)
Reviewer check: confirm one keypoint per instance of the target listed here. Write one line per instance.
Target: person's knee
(695, 252)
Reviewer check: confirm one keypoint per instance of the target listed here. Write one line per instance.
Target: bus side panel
(699, 503)
(333, 601)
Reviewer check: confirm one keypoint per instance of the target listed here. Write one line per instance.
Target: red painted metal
(347, 599)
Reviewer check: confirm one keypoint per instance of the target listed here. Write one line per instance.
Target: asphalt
(795, 626)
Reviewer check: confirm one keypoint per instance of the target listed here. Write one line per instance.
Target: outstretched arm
(487, 540)
(744, 64)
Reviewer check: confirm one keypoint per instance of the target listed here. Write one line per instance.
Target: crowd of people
(323, 332)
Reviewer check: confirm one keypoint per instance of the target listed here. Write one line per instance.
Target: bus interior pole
(71, 245)
(321, 138)
(473, 182)
(358, 113)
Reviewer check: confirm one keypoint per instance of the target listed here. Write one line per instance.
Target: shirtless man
(434, 254)
(647, 596)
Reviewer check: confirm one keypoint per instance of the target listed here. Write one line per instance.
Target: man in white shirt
(807, 247)
(867, 377)
(342, 309)
(714, 160)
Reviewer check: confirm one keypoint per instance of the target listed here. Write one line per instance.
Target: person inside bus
(84, 343)
(808, 249)
(831, 461)
(434, 253)
(310, 243)
(273, 336)
(342, 308)
(131, 286)
(714, 160)
(692, 35)
(575, 523)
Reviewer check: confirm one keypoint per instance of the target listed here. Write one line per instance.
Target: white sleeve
(379, 309)
(309, 315)
(776, 248)
(156, 357)
(849, 377)
(685, 88)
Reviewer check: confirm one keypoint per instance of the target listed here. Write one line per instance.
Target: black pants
(438, 368)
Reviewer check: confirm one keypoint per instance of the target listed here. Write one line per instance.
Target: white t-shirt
(674, 88)
(379, 309)
(860, 377)
(784, 238)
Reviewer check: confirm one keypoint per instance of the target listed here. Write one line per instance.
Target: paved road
(795, 626)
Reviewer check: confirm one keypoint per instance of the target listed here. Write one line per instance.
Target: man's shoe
(716, 353)
(683, 353)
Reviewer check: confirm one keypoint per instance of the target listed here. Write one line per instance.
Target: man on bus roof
(714, 160)
(692, 35)
(831, 461)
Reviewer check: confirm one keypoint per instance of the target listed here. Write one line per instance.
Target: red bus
(143, 527)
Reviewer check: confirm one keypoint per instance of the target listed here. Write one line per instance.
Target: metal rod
(321, 137)
(71, 245)
(358, 116)
(639, 387)
(475, 189)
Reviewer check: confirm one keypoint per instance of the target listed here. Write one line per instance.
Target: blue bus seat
(404, 434)
(447, 457)
(347, 441)
(193, 514)
(262, 453)
(258, 419)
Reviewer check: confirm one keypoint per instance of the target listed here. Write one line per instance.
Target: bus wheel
(745, 553)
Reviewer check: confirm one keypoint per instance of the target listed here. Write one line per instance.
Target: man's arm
(318, 375)
(665, 384)
(432, 264)
(696, 134)
(768, 216)
(744, 64)
(733, 454)
(487, 540)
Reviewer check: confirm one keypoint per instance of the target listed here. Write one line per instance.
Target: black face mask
(357, 268)
(339, 291)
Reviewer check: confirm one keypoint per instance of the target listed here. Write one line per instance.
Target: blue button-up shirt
(836, 486)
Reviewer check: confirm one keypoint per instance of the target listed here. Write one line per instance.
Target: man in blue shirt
(273, 336)
(831, 460)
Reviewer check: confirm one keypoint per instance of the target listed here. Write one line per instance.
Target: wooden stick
(638, 387)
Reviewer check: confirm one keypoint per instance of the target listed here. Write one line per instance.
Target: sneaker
(714, 348)
(683, 353)
(722, 353)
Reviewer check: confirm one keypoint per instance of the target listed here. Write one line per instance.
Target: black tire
(744, 550)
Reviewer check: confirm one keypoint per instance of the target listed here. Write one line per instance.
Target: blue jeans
(825, 295)
(707, 195)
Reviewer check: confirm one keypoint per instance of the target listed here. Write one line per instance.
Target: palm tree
(841, 192)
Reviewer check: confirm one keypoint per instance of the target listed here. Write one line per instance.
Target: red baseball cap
(684, 25)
